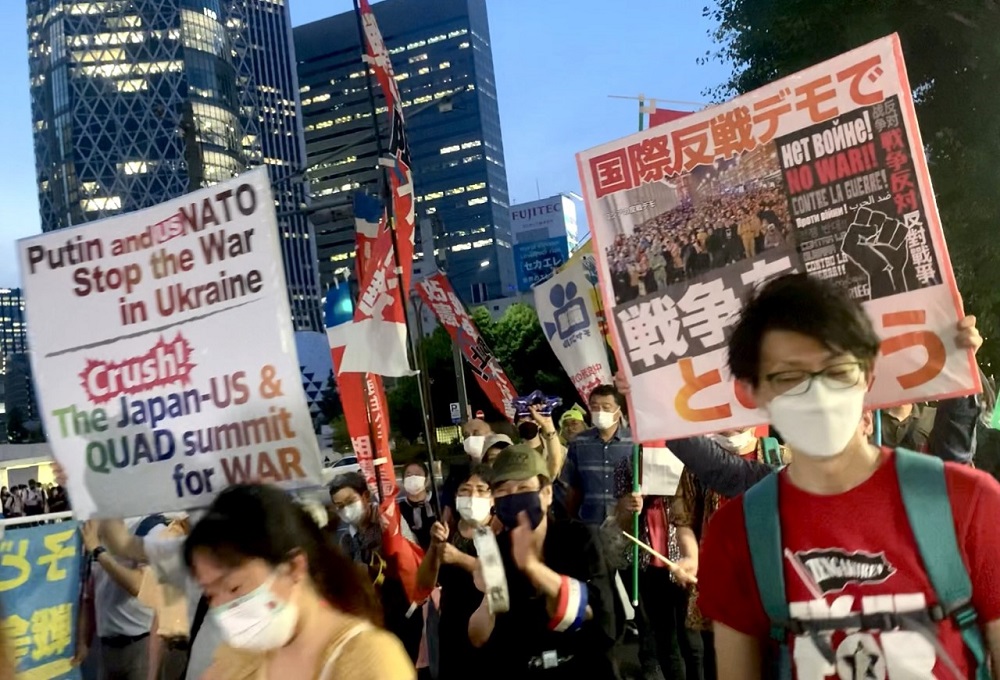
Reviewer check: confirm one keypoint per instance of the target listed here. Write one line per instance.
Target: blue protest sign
(538, 260)
(39, 597)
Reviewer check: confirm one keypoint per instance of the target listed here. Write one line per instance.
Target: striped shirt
(590, 471)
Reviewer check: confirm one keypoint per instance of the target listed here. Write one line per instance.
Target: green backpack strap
(772, 452)
(924, 491)
(763, 523)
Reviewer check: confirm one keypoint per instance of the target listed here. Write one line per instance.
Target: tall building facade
(13, 332)
(135, 102)
(443, 62)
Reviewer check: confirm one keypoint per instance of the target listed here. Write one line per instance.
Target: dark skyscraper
(444, 69)
(138, 102)
(13, 332)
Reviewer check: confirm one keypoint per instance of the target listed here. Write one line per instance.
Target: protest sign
(437, 293)
(568, 316)
(661, 471)
(39, 597)
(821, 172)
(535, 261)
(163, 353)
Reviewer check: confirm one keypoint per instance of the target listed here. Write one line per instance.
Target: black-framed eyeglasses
(841, 376)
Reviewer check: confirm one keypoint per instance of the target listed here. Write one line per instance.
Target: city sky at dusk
(556, 63)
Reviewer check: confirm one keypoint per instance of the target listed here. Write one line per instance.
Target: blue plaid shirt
(590, 470)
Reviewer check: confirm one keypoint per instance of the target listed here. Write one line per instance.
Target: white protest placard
(820, 172)
(661, 471)
(163, 353)
(567, 311)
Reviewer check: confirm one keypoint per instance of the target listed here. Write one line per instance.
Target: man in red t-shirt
(807, 353)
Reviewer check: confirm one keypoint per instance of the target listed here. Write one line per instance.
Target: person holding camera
(533, 418)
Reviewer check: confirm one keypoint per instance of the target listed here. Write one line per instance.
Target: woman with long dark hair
(289, 603)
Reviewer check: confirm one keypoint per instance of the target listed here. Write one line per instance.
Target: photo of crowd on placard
(725, 213)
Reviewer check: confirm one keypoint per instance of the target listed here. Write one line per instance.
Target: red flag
(400, 177)
(376, 340)
(661, 116)
(437, 293)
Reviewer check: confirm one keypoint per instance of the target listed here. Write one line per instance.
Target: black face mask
(527, 430)
(509, 507)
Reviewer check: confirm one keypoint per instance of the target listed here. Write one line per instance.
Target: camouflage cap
(517, 463)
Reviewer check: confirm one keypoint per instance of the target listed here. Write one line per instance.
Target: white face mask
(821, 422)
(414, 485)
(473, 509)
(474, 446)
(734, 443)
(603, 420)
(351, 514)
(259, 621)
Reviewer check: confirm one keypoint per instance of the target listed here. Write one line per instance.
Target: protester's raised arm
(716, 468)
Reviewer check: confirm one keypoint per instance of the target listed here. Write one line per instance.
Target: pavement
(628, 660)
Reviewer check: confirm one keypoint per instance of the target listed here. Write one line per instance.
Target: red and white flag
(398, 163)
(375, 342)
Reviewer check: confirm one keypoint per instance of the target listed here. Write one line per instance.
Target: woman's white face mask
(415, 484)
(734, 443)
(473, 446)
(352, 514)
(259, 621)
(473, 509)
(821, 422)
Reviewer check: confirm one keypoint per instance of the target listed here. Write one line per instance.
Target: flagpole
(385, 193)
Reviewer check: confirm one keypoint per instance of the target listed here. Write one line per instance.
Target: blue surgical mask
(509, 507)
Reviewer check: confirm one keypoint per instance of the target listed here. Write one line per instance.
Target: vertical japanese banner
(568, 316)
(821, 172)
(163, 353)
(39, 598)
(437, 293)
(400, 176)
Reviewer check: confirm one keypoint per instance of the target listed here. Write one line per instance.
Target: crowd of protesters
(266, 585)
(27, 500)
(695, 237)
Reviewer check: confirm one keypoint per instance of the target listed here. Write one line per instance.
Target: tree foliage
(953, 63)
(519, 344)
(329, 403)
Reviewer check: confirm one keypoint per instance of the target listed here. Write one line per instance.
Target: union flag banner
(398, 163)
(376, 340)
(362, 395)
(822, 172)
(437, 293)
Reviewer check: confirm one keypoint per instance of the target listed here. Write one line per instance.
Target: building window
(102, 203)
(135, 167)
